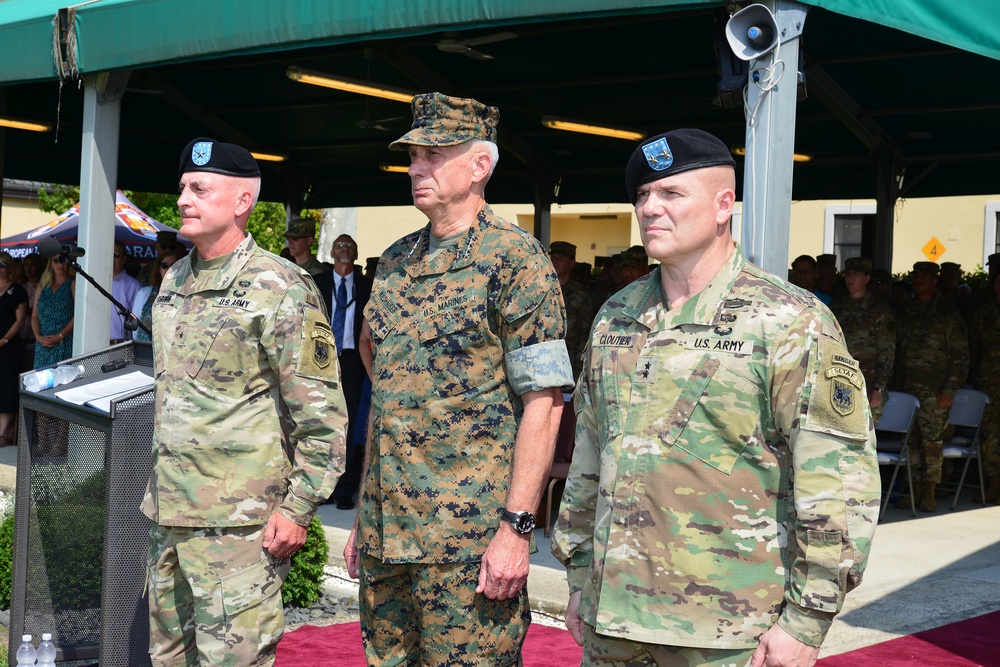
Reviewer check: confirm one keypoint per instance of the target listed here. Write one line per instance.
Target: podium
(81, 543)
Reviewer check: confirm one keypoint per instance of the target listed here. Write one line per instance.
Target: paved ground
(924, 572)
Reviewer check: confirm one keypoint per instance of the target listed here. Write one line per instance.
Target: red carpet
(975, 641)
(340, 646)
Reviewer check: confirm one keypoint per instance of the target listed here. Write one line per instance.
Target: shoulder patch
(838, 400)
(318, 349)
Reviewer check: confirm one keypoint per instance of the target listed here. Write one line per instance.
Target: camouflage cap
(859, 264)
(563, 248)
(826, 260)
(300, 228)
(672, 153)
(929, 268)
(634, 256)
(204, 154)
(951, 266)
(441, 120)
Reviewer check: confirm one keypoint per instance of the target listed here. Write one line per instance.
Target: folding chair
(967, 411)
(893, 437)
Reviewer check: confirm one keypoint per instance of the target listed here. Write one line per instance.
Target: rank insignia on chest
(645, 370)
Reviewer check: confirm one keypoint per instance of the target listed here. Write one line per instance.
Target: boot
(992, 492)
(927, 501)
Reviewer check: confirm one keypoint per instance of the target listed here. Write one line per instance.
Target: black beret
(204, 154)
(672, 153)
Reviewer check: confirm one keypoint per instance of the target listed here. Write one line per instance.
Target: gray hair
(490, 149)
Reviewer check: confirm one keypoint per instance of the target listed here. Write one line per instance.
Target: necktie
(340, 314)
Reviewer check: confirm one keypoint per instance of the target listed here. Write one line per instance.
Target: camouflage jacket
(579, 318)
(457, 341)
(870, 330)
(984, 346)
(724, 476)
(932, 347)
(250, 417)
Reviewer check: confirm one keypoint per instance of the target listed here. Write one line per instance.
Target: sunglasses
(343, 245)
(119, 255)
(4, 265)
(166, 265)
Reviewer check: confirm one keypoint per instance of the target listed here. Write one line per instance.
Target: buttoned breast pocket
(224, 355)
(605, 386)
(459, 349)
(716, 416)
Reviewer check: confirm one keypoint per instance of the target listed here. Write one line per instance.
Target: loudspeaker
(752, 32)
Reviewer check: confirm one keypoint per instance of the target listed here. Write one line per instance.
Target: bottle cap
(46, 636)
(25, 638)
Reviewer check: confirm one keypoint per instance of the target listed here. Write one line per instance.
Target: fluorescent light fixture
(395, 168)
(348, 85)
(24, 125)
(586, 128)
(796, 157)
(267, 157)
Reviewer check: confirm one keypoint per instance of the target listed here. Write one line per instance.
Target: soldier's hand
(573, 622)
(503, 571)
(875, 398)
(945, 400)
(351, 554)
(777, 648)
(282, 536)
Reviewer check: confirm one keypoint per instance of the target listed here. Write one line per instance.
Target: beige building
(20, 208)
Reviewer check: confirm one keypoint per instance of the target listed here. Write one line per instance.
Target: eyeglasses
(343, 244)
(166, 265)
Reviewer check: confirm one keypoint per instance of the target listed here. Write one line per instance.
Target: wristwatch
(523, 522)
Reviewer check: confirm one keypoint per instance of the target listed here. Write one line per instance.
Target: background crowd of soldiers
(926, 334)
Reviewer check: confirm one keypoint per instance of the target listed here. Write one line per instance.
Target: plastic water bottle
(46, 651)
(25, 652)
(48, 378)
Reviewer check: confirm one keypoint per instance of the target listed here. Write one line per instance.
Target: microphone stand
(130, 321)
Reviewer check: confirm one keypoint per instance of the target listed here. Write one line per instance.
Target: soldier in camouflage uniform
(579, 304)
(467, 327)
(870, 330)
(984, 348)
(249, 431)
(724, 489)
(932, 363)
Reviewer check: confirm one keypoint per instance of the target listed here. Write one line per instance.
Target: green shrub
(6, 561)
(302, 586)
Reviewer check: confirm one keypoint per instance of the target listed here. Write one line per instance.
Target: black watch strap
(523, 522)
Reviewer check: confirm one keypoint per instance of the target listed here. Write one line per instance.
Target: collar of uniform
(455, 257)
(188, 281)
(703, 308)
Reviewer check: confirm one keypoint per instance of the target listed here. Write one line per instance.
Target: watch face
(525, 523)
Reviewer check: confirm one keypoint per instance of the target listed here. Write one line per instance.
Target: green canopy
(129, 34)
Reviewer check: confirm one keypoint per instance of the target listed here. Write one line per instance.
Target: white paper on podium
(100, 394)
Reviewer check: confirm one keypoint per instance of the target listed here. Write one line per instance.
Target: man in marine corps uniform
(579, 305)
(932, 363)
(869, 328)
(724, 489)
(984, 348)
(467, 327)
(249, 432)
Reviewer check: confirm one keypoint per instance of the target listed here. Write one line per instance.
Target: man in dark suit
(346, 291)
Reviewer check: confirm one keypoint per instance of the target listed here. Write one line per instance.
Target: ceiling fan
(366, 122)
(450, 44)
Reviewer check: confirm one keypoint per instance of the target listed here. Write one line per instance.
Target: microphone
(51, 247)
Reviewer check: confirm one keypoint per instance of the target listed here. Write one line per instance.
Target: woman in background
(13, 313)
(52, 314)
(142, 306)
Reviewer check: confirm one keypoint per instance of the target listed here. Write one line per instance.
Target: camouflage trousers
(602, 651)
(989, 435)
(424, 614)
(926, 448)
(214, 597)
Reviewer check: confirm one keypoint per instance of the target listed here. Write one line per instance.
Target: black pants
(350, 375)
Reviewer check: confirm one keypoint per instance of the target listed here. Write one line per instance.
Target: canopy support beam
(98, 179)
(770, 143)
